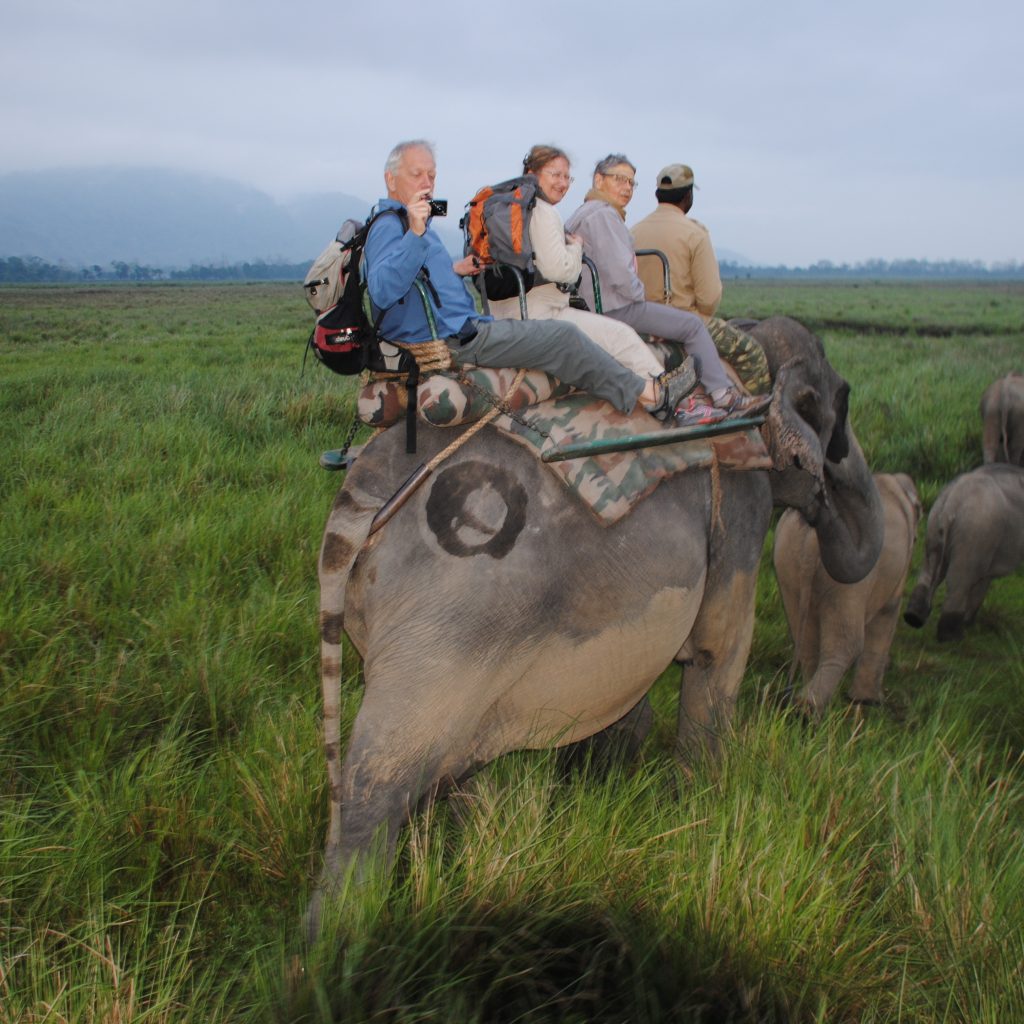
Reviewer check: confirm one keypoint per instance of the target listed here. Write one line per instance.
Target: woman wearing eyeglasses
(558, 258)
(601, 224)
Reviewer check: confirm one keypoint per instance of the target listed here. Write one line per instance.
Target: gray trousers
(556, 347)
(685, 328)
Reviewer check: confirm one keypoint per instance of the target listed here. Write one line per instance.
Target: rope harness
(424, 470)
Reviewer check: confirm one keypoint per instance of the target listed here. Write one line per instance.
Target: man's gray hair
(612, 160)
(394, 159)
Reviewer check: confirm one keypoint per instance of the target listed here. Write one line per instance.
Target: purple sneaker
(697, 411)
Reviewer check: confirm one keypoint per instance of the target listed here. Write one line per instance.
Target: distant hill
(161, 218)
(731, 256)
(158, 217)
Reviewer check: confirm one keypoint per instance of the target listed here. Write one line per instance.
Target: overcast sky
(816, 131)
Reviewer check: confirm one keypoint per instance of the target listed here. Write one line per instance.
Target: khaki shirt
(696, 284)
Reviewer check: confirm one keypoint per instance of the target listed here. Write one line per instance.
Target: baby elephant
(835, 624)
(1002, 419)
(975, 534)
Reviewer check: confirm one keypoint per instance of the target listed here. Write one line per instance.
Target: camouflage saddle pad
(612, 484)
(543, 415)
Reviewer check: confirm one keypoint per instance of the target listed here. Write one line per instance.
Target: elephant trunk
(848, 517)
(830, 483)
(798, 475)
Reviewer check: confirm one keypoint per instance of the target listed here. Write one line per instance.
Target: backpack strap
(412, 381)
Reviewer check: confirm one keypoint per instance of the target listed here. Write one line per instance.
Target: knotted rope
(430, 356)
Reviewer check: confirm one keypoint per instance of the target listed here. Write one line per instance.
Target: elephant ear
(839, 443)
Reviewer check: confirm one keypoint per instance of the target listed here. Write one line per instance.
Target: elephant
(835, 625)
(1002, 419)
(975, 534)
(495, 613)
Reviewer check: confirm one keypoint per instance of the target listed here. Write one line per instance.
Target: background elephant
(975, 534)
(834, 624)
(494, 612)
(1002, 418)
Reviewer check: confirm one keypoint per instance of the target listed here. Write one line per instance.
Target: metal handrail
(520, 284)
(664, 265)
(595, 280)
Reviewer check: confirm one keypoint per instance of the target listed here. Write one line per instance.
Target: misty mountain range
(155, 217)
(165, 218)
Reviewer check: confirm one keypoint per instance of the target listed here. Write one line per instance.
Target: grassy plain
(162, 795)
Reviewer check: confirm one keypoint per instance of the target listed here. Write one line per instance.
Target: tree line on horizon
(33, 270)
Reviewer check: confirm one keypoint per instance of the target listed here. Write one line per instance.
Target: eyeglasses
(622, 179)
(559, 175)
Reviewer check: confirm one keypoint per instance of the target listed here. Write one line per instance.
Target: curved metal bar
(432, 323)
(596, 281)
(664, 266)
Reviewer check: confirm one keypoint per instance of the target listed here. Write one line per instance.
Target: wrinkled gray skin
(975, 534)
(835, 625)
(494, 613)
(1002, 419)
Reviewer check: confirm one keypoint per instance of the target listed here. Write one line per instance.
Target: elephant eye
(808, 408)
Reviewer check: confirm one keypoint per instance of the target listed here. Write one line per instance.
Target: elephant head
(819, 467)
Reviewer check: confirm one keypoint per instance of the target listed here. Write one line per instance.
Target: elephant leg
(1017, 447)
(866, 685)
(619, 743)
(379, 790)
(975, 598)
(389, 769)
(993, 439)
(803, 626)
(720, 642)
(841, 642)
(964, 594)
(808, 652)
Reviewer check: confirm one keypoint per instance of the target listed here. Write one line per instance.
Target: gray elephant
(1002, 419)
(494, 613)
(834, 625)
(975, 534)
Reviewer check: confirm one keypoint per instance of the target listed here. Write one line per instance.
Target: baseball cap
(675, 176)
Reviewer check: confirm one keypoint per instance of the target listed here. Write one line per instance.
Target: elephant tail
(1004, 420)
(347, 530)
(933, 569)
(997, 409)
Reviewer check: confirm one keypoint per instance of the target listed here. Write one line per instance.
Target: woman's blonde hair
(540, 156)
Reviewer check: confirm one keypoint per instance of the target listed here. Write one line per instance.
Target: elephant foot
(863, 707)
(870, 707)
(332, 885)
(794, 707)
(918, 608)
(951, 627)
(783, 699)
(313, 917)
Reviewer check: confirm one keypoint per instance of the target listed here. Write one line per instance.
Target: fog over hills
(173, 219)
(165, 218)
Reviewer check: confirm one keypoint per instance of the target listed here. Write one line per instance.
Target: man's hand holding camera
(422, 208)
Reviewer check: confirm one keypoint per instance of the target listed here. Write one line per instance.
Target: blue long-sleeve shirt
(393, 259)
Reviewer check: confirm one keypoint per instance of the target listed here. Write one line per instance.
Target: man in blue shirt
(395, 257)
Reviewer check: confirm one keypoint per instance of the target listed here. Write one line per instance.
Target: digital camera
(438, 207)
